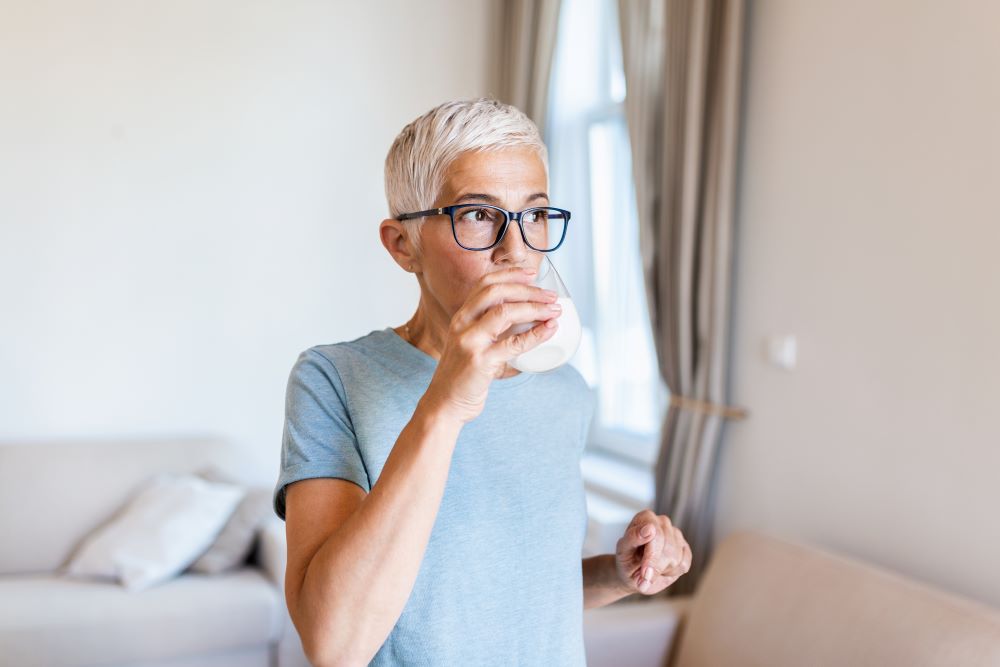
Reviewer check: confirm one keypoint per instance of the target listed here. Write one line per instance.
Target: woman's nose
(512, 245)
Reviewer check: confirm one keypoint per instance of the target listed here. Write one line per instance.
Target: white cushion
(85, 481)
(159, 532)
(234, 543)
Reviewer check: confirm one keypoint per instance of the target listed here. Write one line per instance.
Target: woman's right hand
(474, 352)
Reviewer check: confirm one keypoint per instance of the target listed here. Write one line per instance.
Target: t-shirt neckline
(419, 356)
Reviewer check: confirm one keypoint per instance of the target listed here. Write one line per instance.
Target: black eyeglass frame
(508, 216)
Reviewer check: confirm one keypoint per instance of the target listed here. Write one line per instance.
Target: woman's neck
(429, 333)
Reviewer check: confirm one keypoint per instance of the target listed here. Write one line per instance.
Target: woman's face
(512, 178)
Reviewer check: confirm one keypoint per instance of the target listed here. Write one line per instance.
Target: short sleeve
(318, 438)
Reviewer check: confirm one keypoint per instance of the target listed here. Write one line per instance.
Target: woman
(432, 495)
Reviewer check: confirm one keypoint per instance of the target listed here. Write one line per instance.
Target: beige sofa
(762, 602)
(52, 495)
(768, 602)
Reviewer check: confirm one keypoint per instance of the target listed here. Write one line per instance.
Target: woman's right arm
(353, 557)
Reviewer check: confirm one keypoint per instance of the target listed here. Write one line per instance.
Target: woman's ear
(396, 240)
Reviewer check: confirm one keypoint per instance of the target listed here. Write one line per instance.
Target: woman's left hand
(652, 554)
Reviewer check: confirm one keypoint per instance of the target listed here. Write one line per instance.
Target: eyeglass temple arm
(420, 214)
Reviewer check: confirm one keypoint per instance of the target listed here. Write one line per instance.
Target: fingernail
(649, 574)
(647, 531)
(555, 306)
(531, 272)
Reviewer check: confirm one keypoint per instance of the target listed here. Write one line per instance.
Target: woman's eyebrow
(490, 199)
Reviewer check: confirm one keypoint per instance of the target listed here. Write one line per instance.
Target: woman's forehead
(498, 172)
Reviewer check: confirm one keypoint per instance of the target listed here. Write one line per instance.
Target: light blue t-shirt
(501, 580)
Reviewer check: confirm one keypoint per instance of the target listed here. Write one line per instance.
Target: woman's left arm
(601, 584)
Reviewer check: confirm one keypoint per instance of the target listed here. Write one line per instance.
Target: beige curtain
(683, 62)
(527, 37)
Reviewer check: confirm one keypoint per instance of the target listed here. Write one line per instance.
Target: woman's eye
(477, 215)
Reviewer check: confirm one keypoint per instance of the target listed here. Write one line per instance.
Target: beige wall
(870, 230)
(190, 195)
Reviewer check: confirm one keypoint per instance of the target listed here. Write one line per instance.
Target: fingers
(672, 559)
(676, 557)
(634, 536)
(652, 554)
(510, 274)
(685, 558)
(491, 289)
(520, 317)
(519, 343)
(642, 539)
(663, 556)
(499, 288)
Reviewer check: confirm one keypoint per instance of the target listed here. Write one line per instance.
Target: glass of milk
(561, 346)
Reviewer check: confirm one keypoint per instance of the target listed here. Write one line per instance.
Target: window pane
(590, 167)
(613, 53)
(628, 391)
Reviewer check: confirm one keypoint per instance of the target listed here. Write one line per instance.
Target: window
(590, 167)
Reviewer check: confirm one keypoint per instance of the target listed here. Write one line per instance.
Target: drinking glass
(562, 345)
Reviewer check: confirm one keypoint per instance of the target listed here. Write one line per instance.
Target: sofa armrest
(272, 552)
(638, 633)
(271, 558)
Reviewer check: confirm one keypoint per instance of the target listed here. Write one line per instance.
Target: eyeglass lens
(477, 227)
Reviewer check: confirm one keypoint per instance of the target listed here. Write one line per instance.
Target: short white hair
(422, 152)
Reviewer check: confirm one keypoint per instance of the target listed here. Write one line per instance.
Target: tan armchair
(773, 603)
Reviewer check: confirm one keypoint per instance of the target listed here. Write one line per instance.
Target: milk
(559, 347)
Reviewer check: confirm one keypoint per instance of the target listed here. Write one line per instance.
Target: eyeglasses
(482, 226)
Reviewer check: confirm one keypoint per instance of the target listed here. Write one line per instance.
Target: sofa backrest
(54, 493)
(764, 601)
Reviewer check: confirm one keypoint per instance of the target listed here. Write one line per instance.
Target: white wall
(190, 195)
(870, 230)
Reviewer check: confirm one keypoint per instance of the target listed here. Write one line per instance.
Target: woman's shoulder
(367, 345)
(345, 360)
